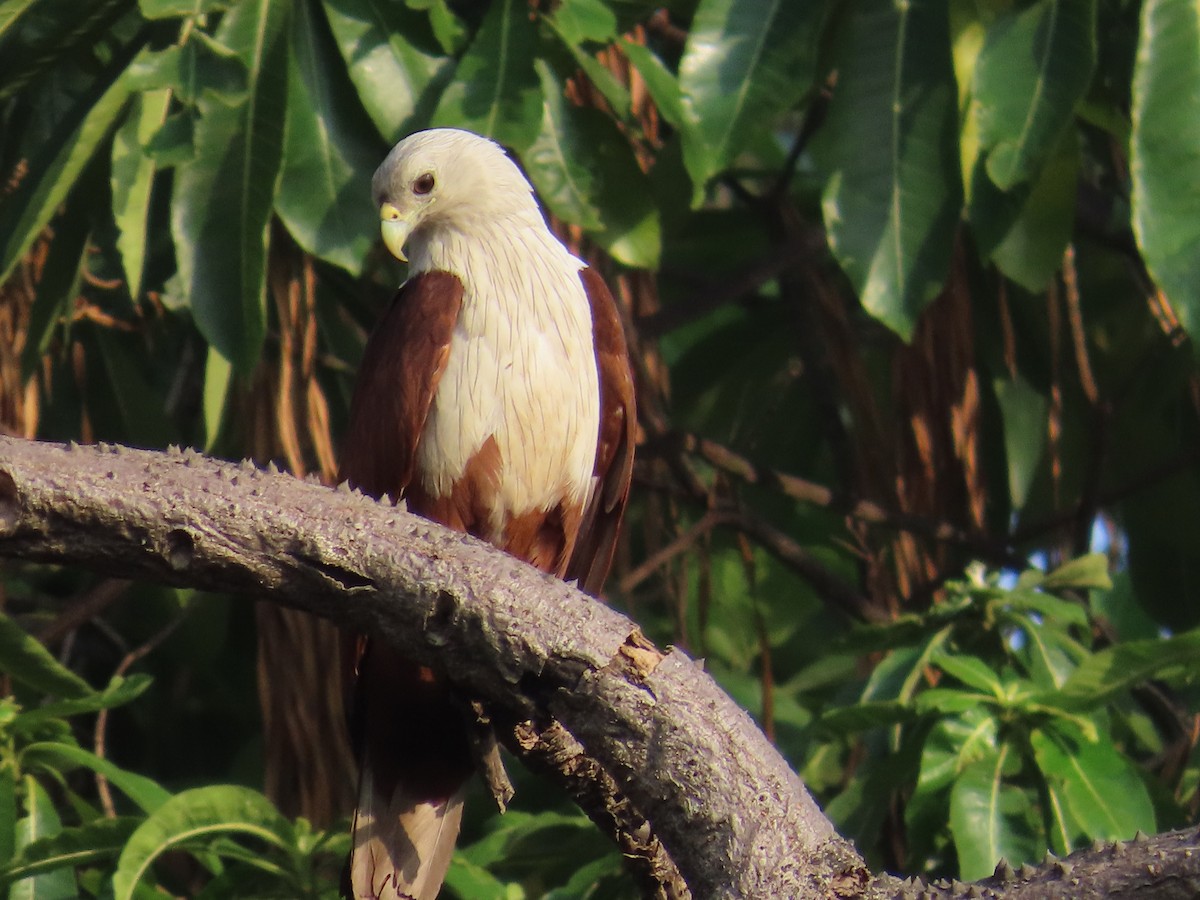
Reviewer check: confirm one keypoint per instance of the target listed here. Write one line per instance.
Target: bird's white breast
(521, 369)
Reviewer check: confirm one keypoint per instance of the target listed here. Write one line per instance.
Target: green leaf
(1125, 665)
(147, 794)
(46, 32)
(10, 11)
(224, 197)
(40, 822)
(398, 80)
(890, 146)
(601, 879)
(565, 184)
(118, 692)
(468, 879)
(450, 32)
(950, 701)
(1051, 608)
(63, 272)
(951, 745)
(955, 743)
(1023, 410)
(1031, 251)
(198, 813)
(1084, 573)
(495, 91)
(900, 674)
(132, 177)
(1051, 656)
(96, 841)
(585, 20)
(847, 720)
(1103, 789)
(586, 174)
(971, 671)
(25, 660)
(54, 170)
(744, 63)
(1062, 827)
(1165, 153)
(168, 9)
(218, 374)
(661, 83)
(8, 813)
(990, 819)
(174, 142)
(330, 152)
(202, 65)
(1034, 68)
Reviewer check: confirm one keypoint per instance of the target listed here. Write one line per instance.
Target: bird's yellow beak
(395, 228)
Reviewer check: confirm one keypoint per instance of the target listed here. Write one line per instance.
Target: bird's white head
(448, 178)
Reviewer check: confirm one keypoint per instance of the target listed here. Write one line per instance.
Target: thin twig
(733, 463)
(83, 610)
(735, 289)
(124, 666)
(666, 553)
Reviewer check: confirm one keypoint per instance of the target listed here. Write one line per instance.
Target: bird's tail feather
(402, 844)
(414, 759)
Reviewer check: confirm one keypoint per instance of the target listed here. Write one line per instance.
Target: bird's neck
(460, 247)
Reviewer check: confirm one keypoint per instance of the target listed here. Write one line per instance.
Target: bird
(495, 396)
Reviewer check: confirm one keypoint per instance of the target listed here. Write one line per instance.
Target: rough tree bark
(646, 742)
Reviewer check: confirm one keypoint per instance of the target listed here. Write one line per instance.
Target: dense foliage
(909, 287)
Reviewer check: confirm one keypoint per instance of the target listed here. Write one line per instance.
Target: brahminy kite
(495, 397)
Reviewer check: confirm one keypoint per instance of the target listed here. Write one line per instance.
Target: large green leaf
(41, 34)
(1031, 251)
(146, 793)
(585, 20)
(224, 197)
(132, 177)
(1165, 153)
(165, 9)
(398, 77)
(40, 822)
(331, 149)
(951, 745)
(990, 819)
(1034, 67)
(99, 840)
(56, 166)
(65, 264)
(26, 661)
(565, 184)
(11, 11)
(495, 91)
(889, 145)
(199, 813)
(1123, 666)
(449, 30)
(1023, 411)
(8, 800)
(661, 83)
(745, 62)
(1103, 789)
(118, 692)
(586, 174)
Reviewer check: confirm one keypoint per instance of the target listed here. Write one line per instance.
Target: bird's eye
(424, 184)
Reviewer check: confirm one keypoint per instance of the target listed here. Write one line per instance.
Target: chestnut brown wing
(597, 538)
(401, 366)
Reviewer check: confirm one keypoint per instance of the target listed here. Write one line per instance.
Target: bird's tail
(402, 844)
(415, 760)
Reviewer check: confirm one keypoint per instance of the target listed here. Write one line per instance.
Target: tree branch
(732, 818)
(676, 773)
